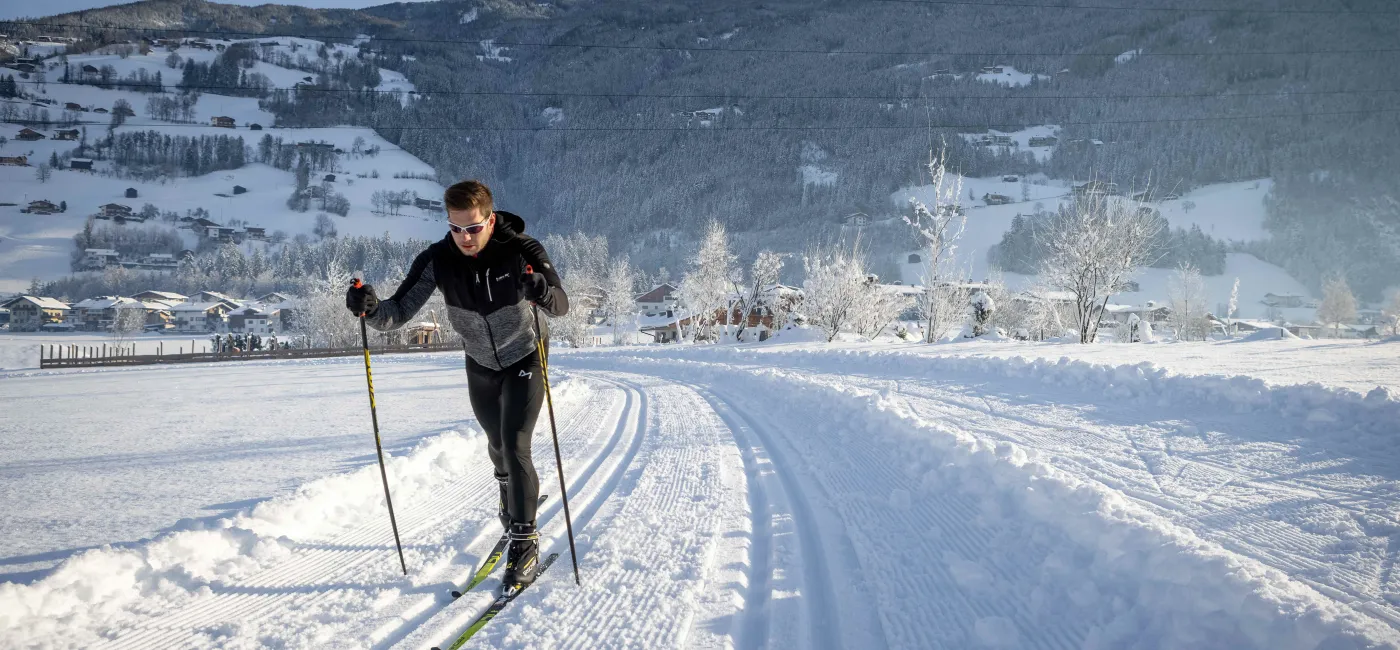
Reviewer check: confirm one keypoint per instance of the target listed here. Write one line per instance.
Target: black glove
(534, 286)
(361, 300)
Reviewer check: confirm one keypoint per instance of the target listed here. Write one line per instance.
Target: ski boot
(522, 559)
(501, 512)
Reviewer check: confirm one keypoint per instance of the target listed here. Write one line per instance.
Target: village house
(96, 259)
(996, 199)
(329, 178)
(252, 320)
(205, 317)
(214, 296)
(29, 135)
(98, 314)
(254, 127)
(65, 134)
(41, 207)
(255, 232)
(74, 106)
(14, 161)
(90, 69)
(1043, 141)
(1284, 300)
(239, 189)
(274, 298)
(114, 210)
(164, 296)
(662, 300)
(1095, 188)
(80, 164)
(32, 313)
(223, 121)
(131, 193)
(427, 204)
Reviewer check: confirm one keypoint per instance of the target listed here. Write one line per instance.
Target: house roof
(105, 302)
(219, 296)
(658, 293)
(43, 303)
(164, 295)
(200, 306)
(100, 251)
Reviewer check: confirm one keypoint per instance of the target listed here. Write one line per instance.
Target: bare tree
(1092, 248)
(43, 172)
(1338, 304)
(1188, 303)
(128, 319)
(938, 229)
(706, 288)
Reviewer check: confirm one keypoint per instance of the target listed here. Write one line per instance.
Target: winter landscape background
(897, 323)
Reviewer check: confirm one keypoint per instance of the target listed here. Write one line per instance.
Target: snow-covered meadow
(978, 494)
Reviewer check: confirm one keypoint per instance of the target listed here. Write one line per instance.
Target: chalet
(856, 220)
(252, 320)
(153, 262)
(1043, 141)
(73, 106)
(273, 298)
(131, 193)
(1095, 188)
(996, 199)
(114, 210)
(97, 314)
(1011, 179)
(14, 161)
(427, 204)
(23, 67)
(80, 163)
(65, 134)
(993, 69)
(239, 189)
(163, 296)
(214, 296)
(660, 301)
(329, 178)
(29, 134)
(32, 313)
(197, 316)
(254, 127)
(223, 121)
(255, 232)
(41, 207)
(96, 259)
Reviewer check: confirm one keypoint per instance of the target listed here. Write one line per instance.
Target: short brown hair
(467, 195)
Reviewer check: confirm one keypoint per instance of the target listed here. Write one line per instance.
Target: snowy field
(950, 496)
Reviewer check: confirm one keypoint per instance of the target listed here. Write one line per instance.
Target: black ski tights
(507, 403)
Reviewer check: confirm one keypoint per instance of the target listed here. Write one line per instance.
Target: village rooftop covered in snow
(953, 325)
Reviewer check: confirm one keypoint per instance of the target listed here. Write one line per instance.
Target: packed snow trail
(724, 498)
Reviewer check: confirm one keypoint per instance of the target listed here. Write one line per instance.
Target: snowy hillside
(41, 245)
(748, 496)
(1232, 211)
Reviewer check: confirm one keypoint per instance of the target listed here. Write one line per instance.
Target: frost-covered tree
(1092, 248)
(1187, 294)
(128, 319)
(983, 309)
(582, 262)
(761, 292)
(1338, 304)
(1391, 313)
(324, 226)
(939, 228)
(839, 294)
(619, 303)
(707, 286)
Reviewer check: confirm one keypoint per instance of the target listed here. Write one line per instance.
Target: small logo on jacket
(503, 277)
(526, 374)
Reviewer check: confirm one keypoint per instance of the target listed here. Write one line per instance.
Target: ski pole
(378, 448)
(554, 432)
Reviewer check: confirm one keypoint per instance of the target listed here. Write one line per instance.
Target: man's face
(467, 242)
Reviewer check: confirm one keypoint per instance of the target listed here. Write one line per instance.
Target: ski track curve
(317, 597)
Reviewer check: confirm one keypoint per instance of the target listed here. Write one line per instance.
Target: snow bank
(105, 586)
(1345, 411)
(18, 355)
(1269, 334)
(1131, 574)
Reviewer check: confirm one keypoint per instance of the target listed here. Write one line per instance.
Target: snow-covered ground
(1010, 76)
(1230, 211)
(1022, 139)
(948, 496)
(20, 350)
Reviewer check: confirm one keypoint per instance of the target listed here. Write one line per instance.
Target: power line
(892, 98)
(1089, 7)
(837, 127)
(738, 50)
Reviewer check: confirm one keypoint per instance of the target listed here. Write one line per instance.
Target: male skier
(481, 269)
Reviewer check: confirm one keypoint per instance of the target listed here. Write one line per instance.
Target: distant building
(996, 199)
(660, 301)
(98, 314)
(29, 135)
(239, 189)
(41, 207)
(99, 110)
(151, 294)
(74, 106)
(32, 313)
(65, 134)
(114, 210)
(254, 127)
(255, 232)
(427, 204)
(80, 163)
(1011, 179)
(329, 178)
(197, 316)
(1044, 141)
(223, 121)
(273, 298)
(14, 161)
(96, 259)
(252, 320)
(90, 69)
(214, 296)
(130, 192)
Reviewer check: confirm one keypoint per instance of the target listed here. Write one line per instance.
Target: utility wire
(893, 98)
(666, 48)
(835, 127)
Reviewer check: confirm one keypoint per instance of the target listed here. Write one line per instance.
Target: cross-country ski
(724, 325)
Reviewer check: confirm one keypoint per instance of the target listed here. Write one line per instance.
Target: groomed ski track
(723, 499)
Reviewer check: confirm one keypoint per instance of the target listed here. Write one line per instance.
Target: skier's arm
(554, 302)
(412, 294)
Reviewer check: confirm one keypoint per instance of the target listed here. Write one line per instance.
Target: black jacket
(485, 301)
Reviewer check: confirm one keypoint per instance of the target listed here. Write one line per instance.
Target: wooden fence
(75, 356)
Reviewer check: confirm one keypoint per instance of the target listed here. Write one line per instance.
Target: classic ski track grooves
(321, 567)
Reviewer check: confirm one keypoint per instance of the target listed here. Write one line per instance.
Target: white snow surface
(986, 494)
(1011, 77)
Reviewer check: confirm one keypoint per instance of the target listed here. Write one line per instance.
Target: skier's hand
(360, 299)
(534, 286)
